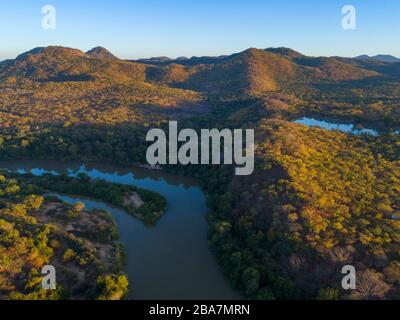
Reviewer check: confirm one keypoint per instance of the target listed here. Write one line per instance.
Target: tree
(112, 287)
(78, 207)
(392, 272)
(370, 286)
(34, 202)
(328, 294)
(69, 255)
(251, 280)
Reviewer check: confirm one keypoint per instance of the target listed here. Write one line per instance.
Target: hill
(379, 57)
(255, 72)
(57, 85)
(59, 64)
(252, 72)
(286, 52)
(101, 53)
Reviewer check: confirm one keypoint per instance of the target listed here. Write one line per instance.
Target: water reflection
(349, 128)
(169, 261)
(100, 170)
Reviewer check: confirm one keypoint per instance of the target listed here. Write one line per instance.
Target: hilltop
(379, 57)
(255, 71)
(59, 64)
(101, 53)
(251, 72)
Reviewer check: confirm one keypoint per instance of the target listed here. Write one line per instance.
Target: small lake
(328, 125)
(169, 261)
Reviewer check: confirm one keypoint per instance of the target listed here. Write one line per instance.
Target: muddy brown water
(169, 261)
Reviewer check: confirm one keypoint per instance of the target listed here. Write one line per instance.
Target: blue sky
(144, 28)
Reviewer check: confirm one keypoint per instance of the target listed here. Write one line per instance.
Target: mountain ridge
(380, 57)
(250, 72)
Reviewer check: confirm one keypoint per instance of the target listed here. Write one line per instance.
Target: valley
(317, 200)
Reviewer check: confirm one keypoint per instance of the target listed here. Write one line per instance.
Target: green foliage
(318, 200)
(153, 207)
(328, 294)
(69, 255)
(112, 287)
(31, 238)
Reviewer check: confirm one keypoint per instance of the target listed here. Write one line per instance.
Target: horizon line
(2, 59)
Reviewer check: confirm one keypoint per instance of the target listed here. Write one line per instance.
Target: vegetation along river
(169, 261)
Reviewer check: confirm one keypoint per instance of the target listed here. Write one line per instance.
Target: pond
(169, 261)
(328, 125)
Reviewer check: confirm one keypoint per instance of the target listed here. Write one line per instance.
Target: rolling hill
(379, 57)
(252, 72)
(59, 64)
(101, 53)
(256, 71)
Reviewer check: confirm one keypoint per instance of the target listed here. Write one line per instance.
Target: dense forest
(37, 230)
(318, 199)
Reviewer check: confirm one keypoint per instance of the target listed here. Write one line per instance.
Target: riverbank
(145, 205)
(37, 230)
(171, 260)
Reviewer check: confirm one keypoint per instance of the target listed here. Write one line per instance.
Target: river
(169, 261)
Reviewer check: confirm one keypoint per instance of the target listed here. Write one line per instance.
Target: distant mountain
(182, 60)
(382, 64)
(101, 53)
(251, 72)
(380, 57)
(60, 64)
(202, 60)
(363, 57)
(255, 71)
(155, 60)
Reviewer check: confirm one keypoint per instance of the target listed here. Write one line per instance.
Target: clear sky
(144, 28)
